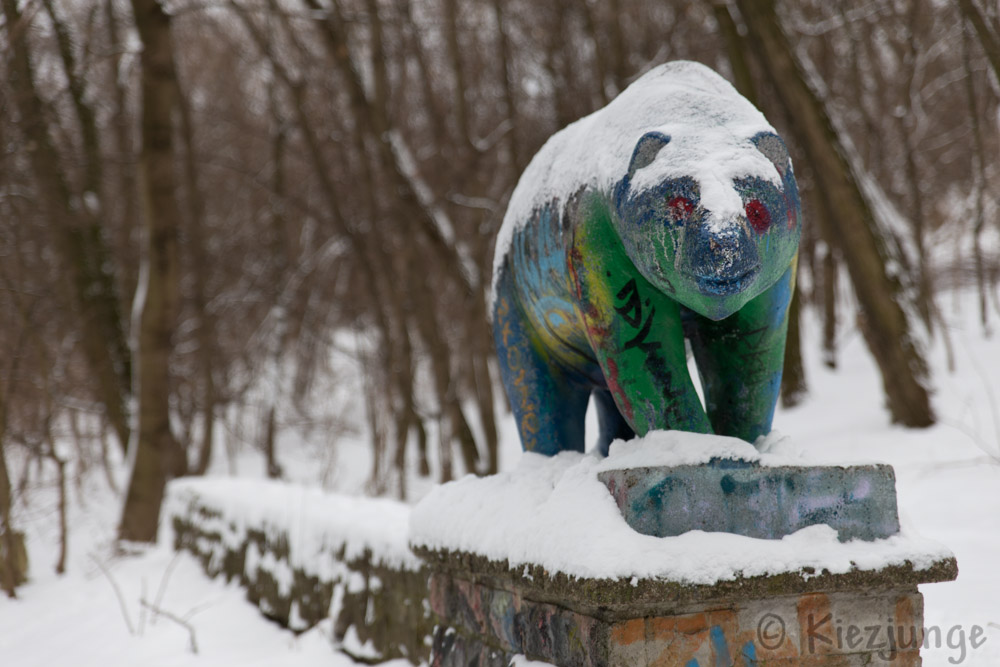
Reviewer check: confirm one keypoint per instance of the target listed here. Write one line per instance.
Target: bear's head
(711, 223)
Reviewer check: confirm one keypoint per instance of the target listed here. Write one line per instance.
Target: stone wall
(299, 571)
(487, 613)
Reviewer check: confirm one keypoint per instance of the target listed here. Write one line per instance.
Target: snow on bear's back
(681, 99)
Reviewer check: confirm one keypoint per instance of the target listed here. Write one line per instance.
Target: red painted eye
(758, 216)
(679, 208)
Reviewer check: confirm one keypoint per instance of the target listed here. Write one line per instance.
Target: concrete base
(486, 614)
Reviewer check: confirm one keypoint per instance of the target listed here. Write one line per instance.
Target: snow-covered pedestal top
(554, 515)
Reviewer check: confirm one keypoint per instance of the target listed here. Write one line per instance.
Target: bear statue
(671, 213)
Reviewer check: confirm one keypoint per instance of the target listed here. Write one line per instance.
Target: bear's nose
(723, 250)
(721, 257)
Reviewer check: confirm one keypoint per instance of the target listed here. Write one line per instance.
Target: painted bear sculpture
(671, 213)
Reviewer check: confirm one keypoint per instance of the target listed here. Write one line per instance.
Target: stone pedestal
(487, 613)
(676, 550)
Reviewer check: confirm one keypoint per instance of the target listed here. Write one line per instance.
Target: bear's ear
(646, 150)
(774, 150)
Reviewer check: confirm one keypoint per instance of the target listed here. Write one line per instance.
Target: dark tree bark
(459, 103)
(506, 80)
(793, 376)
(829, 295)
(619, 55)
(736, 50)
(885, 324)
(158, 456)
(274, 470)
(13, 556)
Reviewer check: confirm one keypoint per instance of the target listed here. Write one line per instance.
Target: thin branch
(176, 619)
(118, 593)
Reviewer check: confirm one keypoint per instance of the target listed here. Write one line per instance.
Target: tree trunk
(906, 125)
(487, 406)
(200, 269)
(459, 103)
(158, 456)
(506, 79)
(736, 49)
(793, 375)
(125, 185)
(885, 323)
(619, 58)
(829, 292)
(274, 470)
(13, 556)
(590, 25)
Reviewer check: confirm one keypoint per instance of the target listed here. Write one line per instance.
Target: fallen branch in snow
(157, 611)
(118, 593)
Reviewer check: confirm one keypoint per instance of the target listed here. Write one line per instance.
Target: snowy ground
(948, 484)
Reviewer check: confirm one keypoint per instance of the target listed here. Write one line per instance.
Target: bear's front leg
(740, 360)
(634, 331)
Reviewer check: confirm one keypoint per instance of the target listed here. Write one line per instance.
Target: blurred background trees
(263, 183)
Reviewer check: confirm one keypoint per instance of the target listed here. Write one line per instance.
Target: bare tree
(157, 456)
(72, 214)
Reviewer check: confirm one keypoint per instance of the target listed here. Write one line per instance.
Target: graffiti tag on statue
(672, 213)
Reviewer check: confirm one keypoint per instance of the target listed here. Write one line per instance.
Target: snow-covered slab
(554, 515)
(315, 522)
(305, 556)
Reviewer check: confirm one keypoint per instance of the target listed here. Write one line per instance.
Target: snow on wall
(304, 555)
(555, 512)
(315, 522)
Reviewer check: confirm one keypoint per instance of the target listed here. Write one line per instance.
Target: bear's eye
(758, 216)
(678, 209)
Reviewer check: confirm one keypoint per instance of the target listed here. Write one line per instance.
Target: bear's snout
(722, 259)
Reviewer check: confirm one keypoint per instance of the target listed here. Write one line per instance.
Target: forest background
(204, 202)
